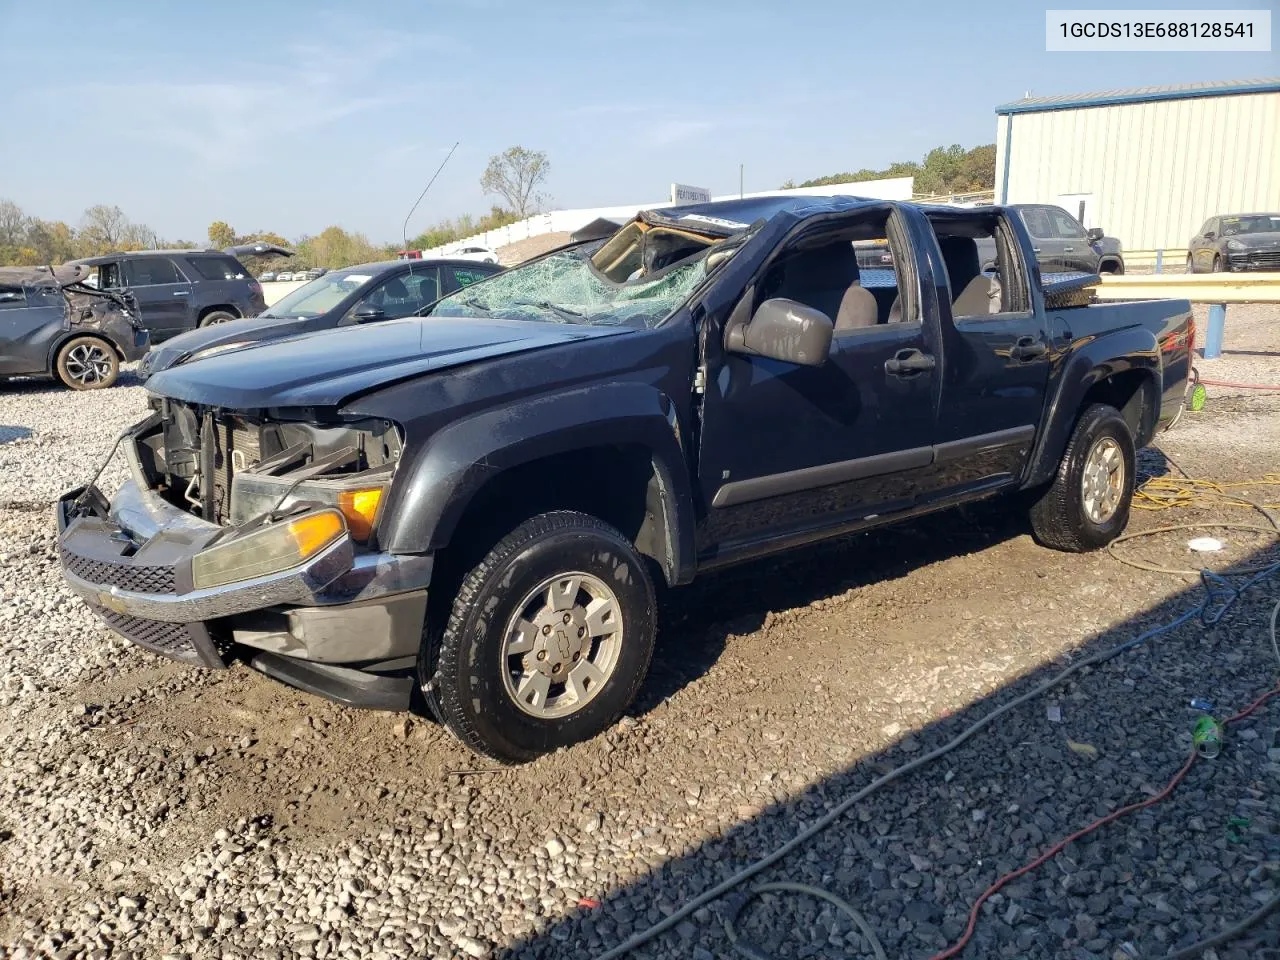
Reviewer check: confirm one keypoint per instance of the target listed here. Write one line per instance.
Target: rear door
(1077, 255)
(997, 358)
(163, 295)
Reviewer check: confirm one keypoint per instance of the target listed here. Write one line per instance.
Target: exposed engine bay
(231, 468)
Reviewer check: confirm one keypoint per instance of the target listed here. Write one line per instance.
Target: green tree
(944, 170)
(221, 235)
(53, 240)
(515, 175)
(13, 224)
(106, 229)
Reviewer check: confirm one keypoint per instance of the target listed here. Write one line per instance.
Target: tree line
(31, 241)
(944, 170)
(514, 175)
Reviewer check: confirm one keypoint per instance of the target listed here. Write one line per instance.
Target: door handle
(179, 293)
(907, 363)
(1028, 348)
(1069, 249)
(1035, 249)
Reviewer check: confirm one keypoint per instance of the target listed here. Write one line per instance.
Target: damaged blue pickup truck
(475, 503)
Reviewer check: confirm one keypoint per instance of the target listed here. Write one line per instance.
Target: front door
(163, 295)
(789, 450)
(1077, 255)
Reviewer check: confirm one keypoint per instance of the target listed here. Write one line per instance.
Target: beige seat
(858, 309)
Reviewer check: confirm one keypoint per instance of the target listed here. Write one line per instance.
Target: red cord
(1058, 847)
(1239, 386)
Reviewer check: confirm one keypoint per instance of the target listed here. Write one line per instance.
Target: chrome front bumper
(130, 561)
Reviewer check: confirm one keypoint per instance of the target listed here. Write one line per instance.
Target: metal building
(1149, 165)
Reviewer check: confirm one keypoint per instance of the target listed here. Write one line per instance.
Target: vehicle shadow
(914, 856)
(695, 621)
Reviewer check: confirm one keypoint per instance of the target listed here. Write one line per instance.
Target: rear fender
(432, 491)
(1085, 366)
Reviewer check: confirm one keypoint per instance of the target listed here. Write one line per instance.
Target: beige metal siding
(1158, 170)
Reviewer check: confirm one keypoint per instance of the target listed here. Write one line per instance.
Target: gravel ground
(148, 809)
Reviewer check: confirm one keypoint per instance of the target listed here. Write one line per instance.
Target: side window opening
(465, 276)
(150, 271)
(1066, 225)
(822, 270)
(217, 268)
(1037, 222)
(984, 274)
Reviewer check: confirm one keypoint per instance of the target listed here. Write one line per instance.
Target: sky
(292, 116)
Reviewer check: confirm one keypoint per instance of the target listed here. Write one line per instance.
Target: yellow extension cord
(1166, 493)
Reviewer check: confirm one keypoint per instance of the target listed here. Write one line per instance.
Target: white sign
(682, 193)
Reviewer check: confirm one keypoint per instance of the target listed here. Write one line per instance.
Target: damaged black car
(54, 325)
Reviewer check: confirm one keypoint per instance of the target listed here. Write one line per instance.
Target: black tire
(1059, 519)
(1112, 268)
(1217, 263)
(87, 363)
(217, 316)
(1191, 264)
(462, 665)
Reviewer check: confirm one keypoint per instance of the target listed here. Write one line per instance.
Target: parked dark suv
(1247, 241)
(179, 290)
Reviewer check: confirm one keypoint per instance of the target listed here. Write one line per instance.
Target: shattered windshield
(566, 288)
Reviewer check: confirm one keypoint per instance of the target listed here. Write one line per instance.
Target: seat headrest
(960, 254)
(830, 266)
(395, 290)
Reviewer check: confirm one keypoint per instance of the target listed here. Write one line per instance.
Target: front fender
(1086, 364)
(432, 490)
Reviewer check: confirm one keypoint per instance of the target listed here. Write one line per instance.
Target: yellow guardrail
(1168, 258)
(1196, 287)
(1216, 289)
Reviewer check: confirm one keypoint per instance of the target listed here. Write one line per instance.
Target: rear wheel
(216, 316)
(1191, 264)
(1087, 504)
(87, 363)
(548, 641)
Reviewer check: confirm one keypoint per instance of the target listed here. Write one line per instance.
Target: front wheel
(548, 641)
(1191, 264)
(1087, 504)
(1217, 264)
(87, 363)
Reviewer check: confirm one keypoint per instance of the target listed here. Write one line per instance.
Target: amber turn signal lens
(314, 531)
(360, 507)
(270, 549)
